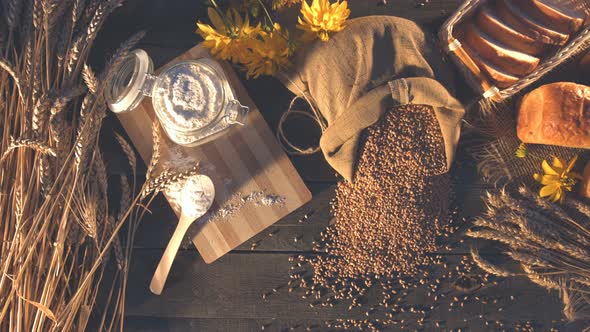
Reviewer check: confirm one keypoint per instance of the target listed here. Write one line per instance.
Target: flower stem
(228, 26)
(272, 24)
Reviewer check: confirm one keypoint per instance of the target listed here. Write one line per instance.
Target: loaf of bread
(556, 114)
(509, 61)
(568, 14)
(522, 21)
(494, 74)
(489, 22)
(585, 185)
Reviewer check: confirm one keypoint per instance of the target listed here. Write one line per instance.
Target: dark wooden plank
(232, 288)
(157, 324)
(424, 12)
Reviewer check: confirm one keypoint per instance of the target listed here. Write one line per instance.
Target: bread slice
(556, 114)
(496, 75)
(477, 77)
(527, 25)
(489, 22)
(532, 11)
(509, 61)
(559, 13)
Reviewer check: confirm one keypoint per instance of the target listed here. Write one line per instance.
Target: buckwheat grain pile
(388, 218)
(388, 226)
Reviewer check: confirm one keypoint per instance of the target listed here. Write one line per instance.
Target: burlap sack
(377, 62)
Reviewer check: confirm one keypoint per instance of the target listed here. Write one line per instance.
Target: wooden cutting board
(245, 161)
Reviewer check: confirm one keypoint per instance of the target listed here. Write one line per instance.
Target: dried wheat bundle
(550, 243)
(58, 231)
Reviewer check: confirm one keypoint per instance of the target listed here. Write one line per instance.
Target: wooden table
(227, 295)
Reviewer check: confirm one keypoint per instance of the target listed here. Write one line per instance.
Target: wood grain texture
(247, 159)
(232, 288)
(283, 232)
(153, 324)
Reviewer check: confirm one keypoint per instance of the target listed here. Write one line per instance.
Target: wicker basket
(477, 80)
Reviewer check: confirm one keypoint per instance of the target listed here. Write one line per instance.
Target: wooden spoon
(198, 187)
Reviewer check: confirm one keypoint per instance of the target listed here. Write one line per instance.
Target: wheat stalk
(56, 230)
(488, 267)
(128, 150)
(27, 143)
(90, 78)
(14, 8)
(155, 151)
(550, 242)
(8, 68)
(166, 178)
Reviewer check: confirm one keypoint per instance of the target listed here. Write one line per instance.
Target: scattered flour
(238, 201)
(178, 159)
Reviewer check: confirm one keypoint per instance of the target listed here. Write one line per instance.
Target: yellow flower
(557, 179)
(229, 37)
(521, 151)
(323, 18)
(268, 53)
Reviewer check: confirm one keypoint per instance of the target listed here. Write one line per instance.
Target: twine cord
(316, 116)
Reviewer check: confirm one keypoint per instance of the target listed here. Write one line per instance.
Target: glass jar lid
(127, 87)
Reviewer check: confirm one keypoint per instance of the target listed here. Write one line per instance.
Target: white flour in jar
(190, 94)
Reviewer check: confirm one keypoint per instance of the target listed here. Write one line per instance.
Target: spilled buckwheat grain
(391, 227)
(387, 219)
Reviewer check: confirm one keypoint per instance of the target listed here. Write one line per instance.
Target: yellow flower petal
(547, 169)
(559, 196)
(549, 179)
(268, 53)
(557, 163)
(323, 17)
(548, 190)
(556, 196)
(235, 17)
(557, 179)
(204, 29)
(216, 20)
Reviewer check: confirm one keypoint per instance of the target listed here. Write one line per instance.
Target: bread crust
(556, 114)
(496, 75)
(510, 61)
(491, 24)
(571, 19)
(527, 25)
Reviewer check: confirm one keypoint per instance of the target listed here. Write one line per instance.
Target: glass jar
(192, 99)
